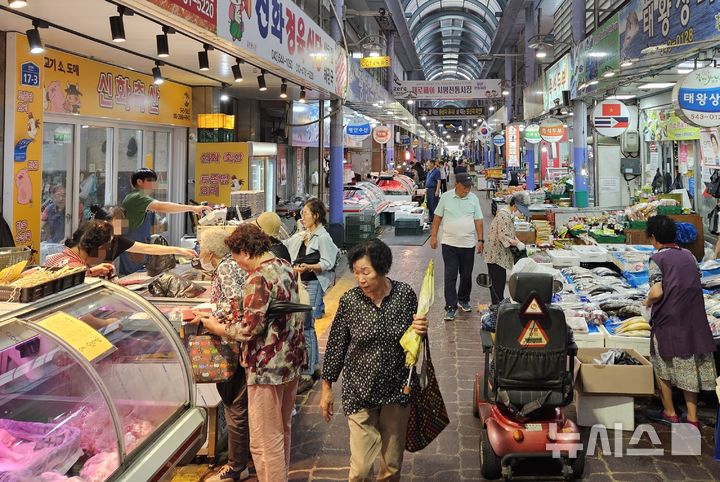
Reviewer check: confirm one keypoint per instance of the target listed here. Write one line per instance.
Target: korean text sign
(557, 79)
(203, 13)
(649, 23)
(697, 97)
(27, 145)
(74, 85)
(279, 31)
(215, 165)
(448, 89)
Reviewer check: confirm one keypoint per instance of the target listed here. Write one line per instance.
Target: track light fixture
(157, 74)
(203, 58)
(117, 25)
(224, 95)
(33, 36)
(283, 89)
(237, 73)
(302, 94)
(17, 4)
(163, 46)
(261, 81)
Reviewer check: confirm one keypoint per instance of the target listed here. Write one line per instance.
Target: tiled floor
(320, 451)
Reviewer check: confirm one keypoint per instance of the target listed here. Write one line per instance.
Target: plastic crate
(407, 222)
(360, 218)
(41, 290)
(11, 256)
(607, 239)
(669, 210)
(408, 231)
(360, 228)
(636, 225)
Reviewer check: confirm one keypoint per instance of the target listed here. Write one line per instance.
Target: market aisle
(320, 451)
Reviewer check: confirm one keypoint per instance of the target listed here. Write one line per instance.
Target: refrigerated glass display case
(94, 385)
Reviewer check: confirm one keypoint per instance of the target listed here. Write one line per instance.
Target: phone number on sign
(203, 8)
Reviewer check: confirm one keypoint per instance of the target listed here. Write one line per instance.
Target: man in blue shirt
(462, 236)
(432, 188)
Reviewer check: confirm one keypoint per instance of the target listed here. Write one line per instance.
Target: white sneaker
(229, 474)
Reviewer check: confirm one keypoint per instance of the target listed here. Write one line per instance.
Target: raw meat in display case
(73, 411)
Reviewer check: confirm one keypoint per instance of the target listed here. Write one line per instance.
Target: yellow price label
(85, 339)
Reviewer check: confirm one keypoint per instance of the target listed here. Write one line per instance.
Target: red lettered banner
(202, 13)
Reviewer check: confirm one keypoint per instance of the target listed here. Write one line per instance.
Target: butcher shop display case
(95, 385)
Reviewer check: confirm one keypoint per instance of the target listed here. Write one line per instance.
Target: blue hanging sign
(499, 140)
(359, 130)
(696, 97)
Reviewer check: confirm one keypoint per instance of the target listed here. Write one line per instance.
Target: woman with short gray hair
(228, 281)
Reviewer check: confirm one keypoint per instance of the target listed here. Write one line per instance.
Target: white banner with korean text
(283, 34)
(447, 89)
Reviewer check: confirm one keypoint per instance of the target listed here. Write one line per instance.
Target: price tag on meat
(81, 336)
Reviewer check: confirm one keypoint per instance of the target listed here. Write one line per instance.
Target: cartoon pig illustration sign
(23, 187)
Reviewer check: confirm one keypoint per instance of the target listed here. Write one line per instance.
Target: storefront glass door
(96, 154)
(55, 219)
(130, 145)
(156, 156)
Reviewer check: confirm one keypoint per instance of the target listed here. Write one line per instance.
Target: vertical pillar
(580, 116)
(321, 149)
(337, 149)
(390, 42)
(530, 26)
(530, 162)
(509, 87)
(492, 154)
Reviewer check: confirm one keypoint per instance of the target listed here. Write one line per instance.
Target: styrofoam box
(592, 254)
(562, 258)
(605, 410)
(640, 345)
(589, 340)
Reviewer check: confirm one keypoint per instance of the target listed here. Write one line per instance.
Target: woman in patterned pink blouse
(273, 350)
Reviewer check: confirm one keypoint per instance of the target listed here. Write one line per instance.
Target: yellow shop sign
(216, 164)
(374, 62)
(75, 85)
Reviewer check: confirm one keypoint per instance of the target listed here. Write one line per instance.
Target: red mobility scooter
(527, 382)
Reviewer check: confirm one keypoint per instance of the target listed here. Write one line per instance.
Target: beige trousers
(270, 416)
(379, 431)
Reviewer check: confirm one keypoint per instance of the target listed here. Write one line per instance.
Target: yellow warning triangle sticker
(533, 308)
(533, 336)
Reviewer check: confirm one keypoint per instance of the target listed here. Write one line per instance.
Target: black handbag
(713, 187)
(311, 258)
(428, 415)
(517, 253)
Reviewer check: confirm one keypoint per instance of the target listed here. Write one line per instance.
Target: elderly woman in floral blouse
(498, 254)
(273, 349)
(364, 345)
(227, 283)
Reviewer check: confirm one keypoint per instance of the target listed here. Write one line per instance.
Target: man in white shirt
(462, 236)
(443, 177)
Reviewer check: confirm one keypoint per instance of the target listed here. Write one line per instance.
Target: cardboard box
(606, 410)
(526, 237)
(614, 379)
(639, 344)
